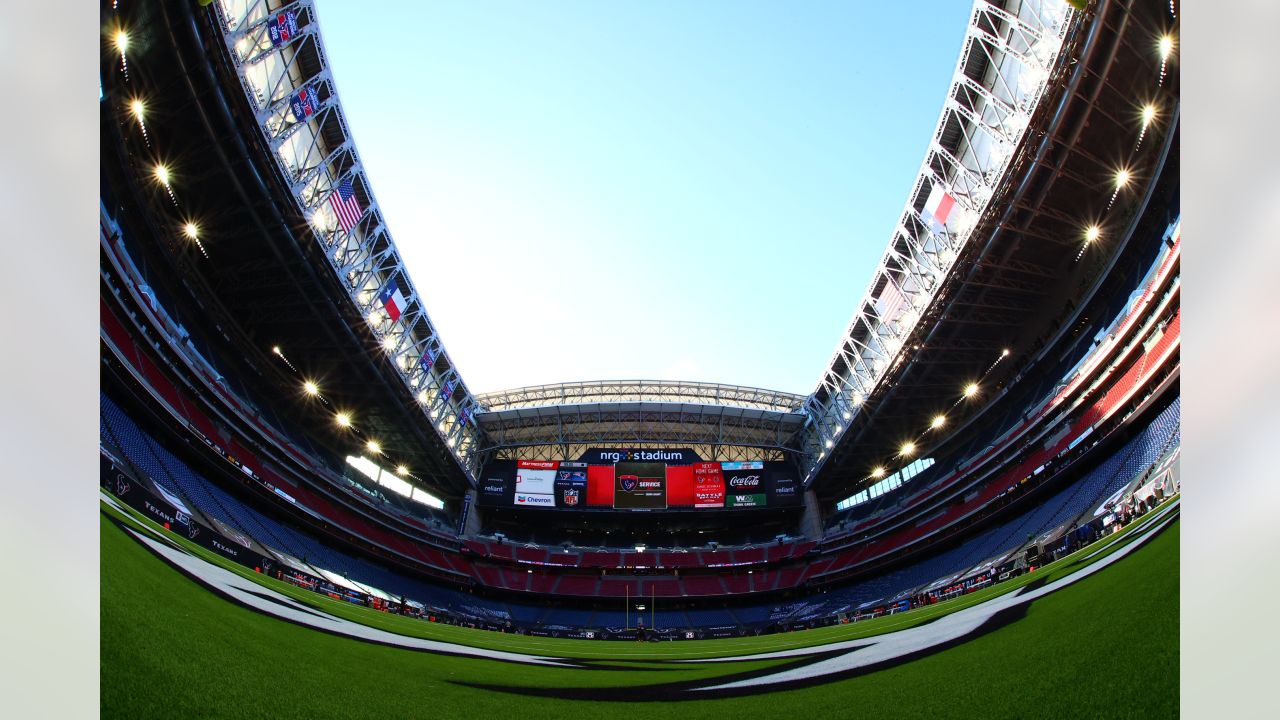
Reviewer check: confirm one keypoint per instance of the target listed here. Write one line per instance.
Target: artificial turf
(1106, 646)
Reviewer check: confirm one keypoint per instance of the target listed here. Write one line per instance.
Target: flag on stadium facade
(447, 391)
(890, 302)
(282, 28)
(393, 301)
(937, 209)
(345, 205)
(429, 358)
(305, 102)
(464, 415)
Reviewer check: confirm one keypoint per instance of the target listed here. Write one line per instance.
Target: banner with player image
(571, 485)
(640, 486)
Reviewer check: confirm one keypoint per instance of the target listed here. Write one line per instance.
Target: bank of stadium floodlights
(278, 55)
(979, 135)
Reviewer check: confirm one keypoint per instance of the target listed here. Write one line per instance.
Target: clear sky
(588, 190)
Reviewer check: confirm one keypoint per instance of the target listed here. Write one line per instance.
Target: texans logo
(629, 482)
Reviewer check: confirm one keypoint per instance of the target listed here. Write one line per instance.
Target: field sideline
(171, 646)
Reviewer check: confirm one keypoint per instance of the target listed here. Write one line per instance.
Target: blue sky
(672, 190)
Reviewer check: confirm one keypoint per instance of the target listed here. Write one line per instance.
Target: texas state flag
(938, 208)
(392, 300)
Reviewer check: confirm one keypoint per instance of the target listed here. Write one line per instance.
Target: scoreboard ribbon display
(640, 486)
(744, 484)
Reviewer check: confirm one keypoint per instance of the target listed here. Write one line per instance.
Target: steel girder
(1008, 57)
(315, 155)
(718, 433)
(606, 391)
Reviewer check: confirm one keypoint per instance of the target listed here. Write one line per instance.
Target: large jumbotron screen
(636, 481)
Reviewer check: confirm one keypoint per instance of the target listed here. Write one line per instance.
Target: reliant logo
(493, 488)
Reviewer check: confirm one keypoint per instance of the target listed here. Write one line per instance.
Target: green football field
(1092, 635)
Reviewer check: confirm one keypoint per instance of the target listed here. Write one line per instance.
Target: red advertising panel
(708, 485)
(600, 485)
(680, 485)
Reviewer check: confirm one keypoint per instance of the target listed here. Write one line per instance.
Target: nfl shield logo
(629, 482)
(571, 497)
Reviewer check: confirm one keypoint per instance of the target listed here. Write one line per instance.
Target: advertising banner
(708, 485)
(744, 484)
(640, 486)
(571, 485)
(784, 490)
(496, 491)
(536, 482)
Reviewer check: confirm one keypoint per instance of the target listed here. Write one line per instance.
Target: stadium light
(275, 349)
(1092, 234)
(343, 419)
(402, 470)
(847, 415)
(878, 472)
(857, 399)
(970, 390)
(1148, 114)
(137, 108)
(640, 548)
(829, 443)
(191, 230)
(388, 343)
(938, 421)
(1004, 353)
(1166, 46)
(907, 450)
(373, 447)
(1123, 176)
(311, 388)
(122, 40)
(162, 174)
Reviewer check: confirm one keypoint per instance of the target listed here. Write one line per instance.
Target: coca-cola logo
(745, 481)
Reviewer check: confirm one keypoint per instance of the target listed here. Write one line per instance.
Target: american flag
(345, 205)
(889, 302)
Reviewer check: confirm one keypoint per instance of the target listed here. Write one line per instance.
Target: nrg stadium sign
(613, 456)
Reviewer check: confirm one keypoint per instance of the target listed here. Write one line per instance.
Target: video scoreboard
(634, 480)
